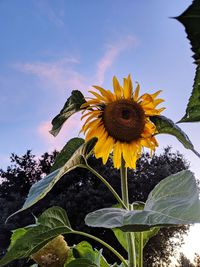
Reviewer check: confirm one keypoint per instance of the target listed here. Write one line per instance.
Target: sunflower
(121, 122)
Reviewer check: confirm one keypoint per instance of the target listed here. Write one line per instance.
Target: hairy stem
(141, 249)
(125, 198)
(112, 190)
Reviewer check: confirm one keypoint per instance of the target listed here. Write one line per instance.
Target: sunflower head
(121, 122)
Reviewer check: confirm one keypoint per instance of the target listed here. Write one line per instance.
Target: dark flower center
(124, 120)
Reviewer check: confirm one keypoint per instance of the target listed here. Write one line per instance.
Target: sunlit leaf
(50, 224)
(71, 106)
(191, 21)
(42, 187)
(174, 201)
(167, 126)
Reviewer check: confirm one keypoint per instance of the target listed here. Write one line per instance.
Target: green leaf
(122, 238)
(16, 235)
(72, 105)
(167, 126)
(50, 224)
(42, 187)
(85, 250)
(191, 21)
(81, 263)
(67, 151)
(174, 201)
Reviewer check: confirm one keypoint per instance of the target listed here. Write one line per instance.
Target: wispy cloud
(61, 74)
(111, 53)
(48, 11)
(58, 74)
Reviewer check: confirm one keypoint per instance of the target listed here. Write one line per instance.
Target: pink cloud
(58, 74)
(71, 129)
(112, 52)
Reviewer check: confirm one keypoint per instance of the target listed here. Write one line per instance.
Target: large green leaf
(50, 224)
(67, 151)
(191, 21)
(42, 187)
(72, 105)
(174, 201)
(167, 126)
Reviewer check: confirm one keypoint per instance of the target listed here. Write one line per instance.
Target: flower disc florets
(121, 122)
(124, 120)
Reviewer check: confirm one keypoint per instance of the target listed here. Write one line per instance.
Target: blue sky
(48, 48)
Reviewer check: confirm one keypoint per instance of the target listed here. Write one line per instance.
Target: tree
(80, 192)
(185, 262)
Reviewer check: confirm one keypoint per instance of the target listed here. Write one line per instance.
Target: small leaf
(174, 201)
(85, 250)
(67, 151)
(191, 21)
(72, 105)
(50, 224)
(81, 263)
(167, 126)
(42, 187)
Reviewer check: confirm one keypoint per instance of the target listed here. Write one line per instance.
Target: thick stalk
(140, 249)
(125, 198)
(103, 243)
(112, 190)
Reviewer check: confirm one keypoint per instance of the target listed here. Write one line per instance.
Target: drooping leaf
(174, 201)
(71, 106)
(167, 126)
(67, 151)
(191, 21)
(50, 224)
(81, 263)
(42, 187)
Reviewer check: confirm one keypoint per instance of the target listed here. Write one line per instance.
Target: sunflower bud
(53, 254)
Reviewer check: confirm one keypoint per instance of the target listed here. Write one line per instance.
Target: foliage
(191, 20)
(79, 185)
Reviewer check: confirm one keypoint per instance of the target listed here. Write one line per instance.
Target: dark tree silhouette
(80, 192)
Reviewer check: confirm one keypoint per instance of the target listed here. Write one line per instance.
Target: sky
(48, 48)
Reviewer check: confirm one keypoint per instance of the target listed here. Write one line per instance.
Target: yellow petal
(99, 97)
(117, 88)
(117, 154)
(106, 93)
(136, 93)
(91, 124)
(128, 88)
(156, 94)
